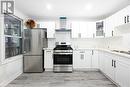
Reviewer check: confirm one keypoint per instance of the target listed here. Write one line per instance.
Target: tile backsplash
(120, 43)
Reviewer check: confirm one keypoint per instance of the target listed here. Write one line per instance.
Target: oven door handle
(63, 53)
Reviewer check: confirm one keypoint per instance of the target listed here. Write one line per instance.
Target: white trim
(7, 81)
(86, 69)
(77, 69)
(48, 69)
(14, 58)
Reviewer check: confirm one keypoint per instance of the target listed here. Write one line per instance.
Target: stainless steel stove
(63, 58)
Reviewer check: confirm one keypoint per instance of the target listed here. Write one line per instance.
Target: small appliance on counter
(62, 57)
(34, 41)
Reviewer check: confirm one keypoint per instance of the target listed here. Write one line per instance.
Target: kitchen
(65, 44)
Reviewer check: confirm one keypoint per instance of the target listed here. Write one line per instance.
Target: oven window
(62, 59)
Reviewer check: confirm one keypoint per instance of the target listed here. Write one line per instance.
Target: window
(13, 36)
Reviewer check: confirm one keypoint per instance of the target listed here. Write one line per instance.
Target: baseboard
(7, 81)
(48, 69)
(110, 79)
(77, 69)
(86, 69)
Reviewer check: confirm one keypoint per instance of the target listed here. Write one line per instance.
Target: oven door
(62, 58)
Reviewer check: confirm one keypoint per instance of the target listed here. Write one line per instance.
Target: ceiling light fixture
(48, 6)
(88, 6)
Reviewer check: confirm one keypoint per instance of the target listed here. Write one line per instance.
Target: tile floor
(50, 79)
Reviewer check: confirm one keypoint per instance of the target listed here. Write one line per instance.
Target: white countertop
(100, 49)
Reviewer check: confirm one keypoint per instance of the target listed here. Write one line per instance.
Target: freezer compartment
(33, 63)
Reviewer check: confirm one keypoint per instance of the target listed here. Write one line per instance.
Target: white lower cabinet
(110, 65)
(48, 59)
(85, 59)
(82, 59)
(94, 60)
(122, 74)
(115, 68)
(102, 61)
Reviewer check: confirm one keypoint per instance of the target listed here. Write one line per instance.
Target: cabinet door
(83, 29)
(122, 74)
(95, 59)
(48, 59)
(110, 70)
(109, 26)
(91, 29)
(75, 29)
(76, 59)
(102, 61)
(50, 28)
(128, 9)
(88, 57)
(120, 16)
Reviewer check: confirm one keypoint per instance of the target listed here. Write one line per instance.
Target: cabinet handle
(82, 52)
(92, 52)
(127, 18)
(112, 33)
(114, 64)
(82, 56)
(48, 51)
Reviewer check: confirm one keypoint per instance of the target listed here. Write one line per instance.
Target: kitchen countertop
(99, 49)
(106, 50)
(48, 48)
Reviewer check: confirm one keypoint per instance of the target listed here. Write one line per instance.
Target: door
(33, 64)
(36, 42)
(65, 59)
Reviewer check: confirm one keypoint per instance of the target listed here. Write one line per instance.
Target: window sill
(11, 59)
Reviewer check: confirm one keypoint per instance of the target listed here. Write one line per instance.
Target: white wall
(120, 43)
(12, 67)
(86, 43)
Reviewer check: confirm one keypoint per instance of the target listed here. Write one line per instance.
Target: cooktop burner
(63, 47)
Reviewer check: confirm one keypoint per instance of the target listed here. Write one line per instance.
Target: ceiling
(73, 9)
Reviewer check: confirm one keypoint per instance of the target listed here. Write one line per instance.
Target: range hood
(63, 25)
(63, 22)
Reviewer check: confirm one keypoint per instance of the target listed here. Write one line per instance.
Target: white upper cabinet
(109, 25)
(99, 29)
(91, 31)
(50, 25)
(83, 29)
(75, 29)
(128, 8)
(120, 17)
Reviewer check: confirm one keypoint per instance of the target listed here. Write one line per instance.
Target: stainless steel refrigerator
(34, 41)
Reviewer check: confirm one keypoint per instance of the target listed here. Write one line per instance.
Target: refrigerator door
(26, 40)
(36, 42)
(33, 64)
